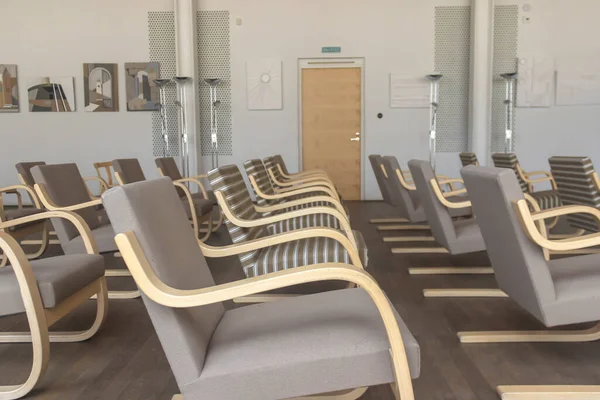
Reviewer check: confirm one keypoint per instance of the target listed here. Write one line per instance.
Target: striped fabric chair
(266, 196)
(236, 203)
(467, 159)
(546, 199)
(578, 184)
(278, 159)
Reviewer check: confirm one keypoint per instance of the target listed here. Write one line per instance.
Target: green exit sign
(331, 49)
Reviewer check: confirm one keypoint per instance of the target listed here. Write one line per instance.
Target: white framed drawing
(409, 90)
(535, 81)
(264, 85)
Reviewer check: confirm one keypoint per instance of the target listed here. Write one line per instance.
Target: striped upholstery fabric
(305, 252)
(257, 170)
(279, 160)
(574, 177)
(546, 199)
(468, 159)
(271, 163)
(229, 181)
(510, 161)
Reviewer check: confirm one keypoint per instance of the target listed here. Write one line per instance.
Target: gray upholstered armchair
(256, 352)
(555, 292)
(60, 187)
(46, 290)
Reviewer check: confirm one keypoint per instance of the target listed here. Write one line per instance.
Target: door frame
(313, 63)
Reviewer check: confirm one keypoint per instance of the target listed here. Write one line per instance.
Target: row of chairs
(297, 232)
(498, 211)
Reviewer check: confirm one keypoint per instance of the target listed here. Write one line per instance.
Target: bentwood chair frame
(39, 318)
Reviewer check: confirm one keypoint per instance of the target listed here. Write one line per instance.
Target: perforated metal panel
(214, 61)
(506, 32)
(161, 35)
(452, 59)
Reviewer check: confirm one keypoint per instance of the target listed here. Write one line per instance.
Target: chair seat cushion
(305, 252)
(12, 214)
(307, 221)
(547, 199)
(300, 346)
(58, 278)
(104, 237)
(202, 205)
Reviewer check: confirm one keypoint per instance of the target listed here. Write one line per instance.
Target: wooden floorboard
(125, 360)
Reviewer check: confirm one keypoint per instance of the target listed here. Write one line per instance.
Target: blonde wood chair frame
(40, 319)
(282, 187)
(167, 296)
(213, 225)
(108, 170)
(21, 233)
(51, 206)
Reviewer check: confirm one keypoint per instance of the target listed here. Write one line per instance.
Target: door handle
(355, 139)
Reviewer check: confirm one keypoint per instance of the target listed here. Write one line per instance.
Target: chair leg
(420, 250)
(575, 336)
(396, 239)
(209, 230)
(494, 293)
(388, 220)
(575, 252)
(547, 392)
(97, 288)
(407, 227)
(43, 245)
(451, 271)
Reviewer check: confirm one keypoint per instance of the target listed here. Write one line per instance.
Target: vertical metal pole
(434, 80)
(509, 79)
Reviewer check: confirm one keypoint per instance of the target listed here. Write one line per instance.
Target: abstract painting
(101, 87)
(51, 94)
(9, 91)
(142, 92)
(264, 90)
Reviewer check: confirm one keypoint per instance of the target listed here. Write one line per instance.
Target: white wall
(392, 35)
(558, 28)
(54, 38)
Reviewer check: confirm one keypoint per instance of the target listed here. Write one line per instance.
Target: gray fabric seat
(24, 169)
(337, 331)
(459, 237)
(58, 278)
(104, 237)
(300, 346)
(557, 292)
(202, 205)
(129, 169)
(12, 214)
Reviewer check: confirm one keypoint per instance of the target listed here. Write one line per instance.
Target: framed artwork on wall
(264, 86)
(9, 90)
(51, 94)
(141, 91)
(101, 87)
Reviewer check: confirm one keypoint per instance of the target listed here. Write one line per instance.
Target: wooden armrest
(313, 181)
(528, 220)
(440, 196)
(289, 193)
(306, 200)
(50, 205)
(446, 181)
(16, 188)
(103, 185)
(315, 172)
(533, 173)
(343, 221)
(539, 180)
(307, 233)
(197, 182)
(403, 182)
(79, 223)
(168, 296)
(455, 192)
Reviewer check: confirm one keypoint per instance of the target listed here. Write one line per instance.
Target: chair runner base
(494, 293)
(407, 227)
(400, 239)
(572, 336)
(549, 392)
(343, 395)
(451, 271)
(420, 250)
(388, 220)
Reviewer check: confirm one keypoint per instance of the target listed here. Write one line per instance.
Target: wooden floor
(125, 359)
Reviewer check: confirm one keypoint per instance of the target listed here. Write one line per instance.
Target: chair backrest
(169, 168)
(468, 159)
(24, 169)
(279, 160)
(129, 170)
(257, 170)
(66, 187)
(169, 243)
(576, 182)
(107, 166)
(270, 163)
(510, 161)
(229, 182)
(438, 216)
(376, 163)
(519, 264)
(406, 200)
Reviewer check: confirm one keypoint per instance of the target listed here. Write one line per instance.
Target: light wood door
(331, 119)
